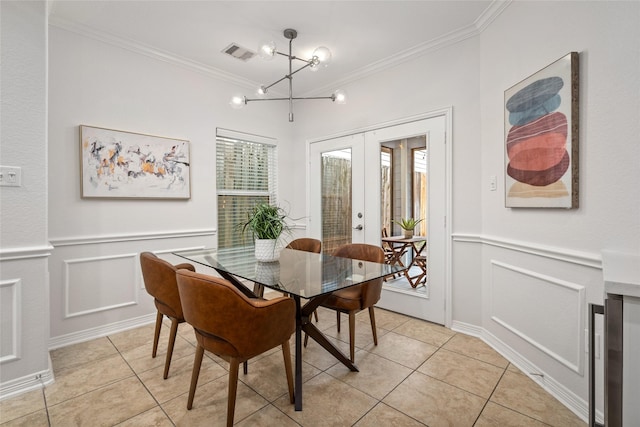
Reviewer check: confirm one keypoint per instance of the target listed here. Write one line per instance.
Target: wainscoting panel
(531, 305)
(96, 281)
(10, 315)
(100, 283)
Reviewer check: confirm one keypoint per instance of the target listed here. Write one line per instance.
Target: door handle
(358, 227)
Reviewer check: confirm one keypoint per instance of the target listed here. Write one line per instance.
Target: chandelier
(319, 58)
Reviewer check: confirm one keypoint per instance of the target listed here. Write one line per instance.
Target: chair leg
(372, 317)
(234, 365)
(315, 314)
(306, 339)
(338, 320)
(352, 334)
(286, 353)
(172, 341)
(156, 334)
(245, 367)
(194, 375)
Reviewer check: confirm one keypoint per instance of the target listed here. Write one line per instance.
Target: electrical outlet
(10, 176)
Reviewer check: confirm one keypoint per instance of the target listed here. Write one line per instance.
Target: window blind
(246, 174)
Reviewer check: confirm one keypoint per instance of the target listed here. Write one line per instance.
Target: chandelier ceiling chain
(320, 57)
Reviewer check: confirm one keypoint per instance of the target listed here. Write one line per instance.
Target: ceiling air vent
(238, 52)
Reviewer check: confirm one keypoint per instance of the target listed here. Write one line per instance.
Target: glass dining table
(303, 276)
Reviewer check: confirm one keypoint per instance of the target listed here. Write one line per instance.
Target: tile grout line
(143, 384)
(46, 406)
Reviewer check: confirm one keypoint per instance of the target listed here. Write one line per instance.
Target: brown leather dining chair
(234, 327)
(357, 298)
(306, 244)
(160, 282)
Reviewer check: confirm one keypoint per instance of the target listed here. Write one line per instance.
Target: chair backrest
(386, 245)
(234, 324)
(160, 282)
(372, 289)
(306, 244)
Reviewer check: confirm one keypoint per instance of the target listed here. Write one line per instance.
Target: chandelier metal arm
(288, 76)
(308, 61)
(320, 55)
(332, 97)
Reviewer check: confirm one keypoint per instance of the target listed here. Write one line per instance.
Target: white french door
(337, 191)
(361, 152)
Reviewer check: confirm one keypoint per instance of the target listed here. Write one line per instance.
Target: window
(246, 171)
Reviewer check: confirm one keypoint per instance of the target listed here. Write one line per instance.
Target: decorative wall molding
(34, 381)
(576, 365)
(132, 237)
(575, 403)
(133, 281)
(552, 252)
(11, 292)
(100, 331)
(27, 252)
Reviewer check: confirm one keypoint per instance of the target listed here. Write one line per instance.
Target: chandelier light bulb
(322, 55)
(237, 101)
(340, 96)
(267, 50)
(261, 91)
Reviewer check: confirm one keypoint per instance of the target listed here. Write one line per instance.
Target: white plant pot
(267, 250)
(408, 234)
(268, 272)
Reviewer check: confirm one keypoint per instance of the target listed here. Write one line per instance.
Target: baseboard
(101, 331)
(35, 381)
(565, 396)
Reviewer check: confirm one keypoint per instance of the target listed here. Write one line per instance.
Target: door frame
(448, 116)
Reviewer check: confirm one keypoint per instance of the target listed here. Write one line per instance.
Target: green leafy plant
(266, 221)
(407, 223)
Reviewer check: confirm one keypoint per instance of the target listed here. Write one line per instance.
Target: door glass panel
(420, 189)
(386, 185)
(336, 199)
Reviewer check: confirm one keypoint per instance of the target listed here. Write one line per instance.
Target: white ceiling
(363, 36)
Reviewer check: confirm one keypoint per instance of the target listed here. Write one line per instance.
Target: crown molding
(480, 24)
(149, 51)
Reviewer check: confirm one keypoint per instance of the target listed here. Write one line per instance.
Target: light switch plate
(493, 183)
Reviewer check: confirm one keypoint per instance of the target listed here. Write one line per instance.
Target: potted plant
(266, 223)
(408, 225)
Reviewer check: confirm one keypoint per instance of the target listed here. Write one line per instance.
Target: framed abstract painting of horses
(118, 164)
(541, 138)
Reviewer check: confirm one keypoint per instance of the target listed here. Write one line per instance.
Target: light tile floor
(419, 374)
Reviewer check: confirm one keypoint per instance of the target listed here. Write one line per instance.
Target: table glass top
(296, 272)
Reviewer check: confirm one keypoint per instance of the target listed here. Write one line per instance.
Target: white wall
(526, 38)
(547, 260)
(522, 278)
(24, 281)
(95, 281)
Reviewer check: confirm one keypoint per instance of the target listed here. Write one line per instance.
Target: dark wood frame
(532, 94)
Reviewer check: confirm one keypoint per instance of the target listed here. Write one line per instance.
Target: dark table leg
(319, 337)
(313, 332)
(298, 373)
